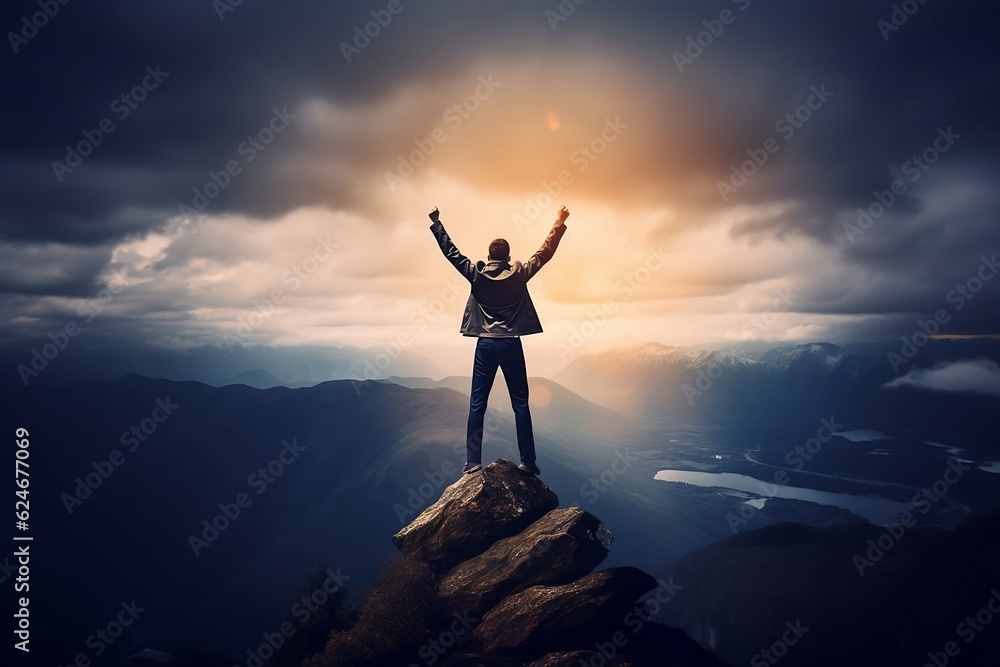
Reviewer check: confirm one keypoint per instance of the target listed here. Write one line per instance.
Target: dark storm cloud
(226, 75)
(223, 77)
(888, 97)
(891, 93)
(54, 269)
(221, 81)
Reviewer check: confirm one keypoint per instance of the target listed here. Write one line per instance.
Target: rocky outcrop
(561, 546)
(519, 573)
(475, 512)
(553, 616)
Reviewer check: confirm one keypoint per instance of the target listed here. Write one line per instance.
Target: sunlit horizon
(711, 204)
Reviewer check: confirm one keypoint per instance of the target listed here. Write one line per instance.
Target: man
(499, 312)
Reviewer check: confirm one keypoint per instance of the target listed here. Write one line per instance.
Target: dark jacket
(499, 305)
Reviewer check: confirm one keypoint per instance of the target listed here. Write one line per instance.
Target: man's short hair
(500, 249)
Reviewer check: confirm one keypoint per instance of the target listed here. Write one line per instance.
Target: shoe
(471, 468)
(533, 469)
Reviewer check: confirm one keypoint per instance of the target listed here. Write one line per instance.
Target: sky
(198, 174)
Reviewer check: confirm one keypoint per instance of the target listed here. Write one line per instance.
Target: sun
(552, 119)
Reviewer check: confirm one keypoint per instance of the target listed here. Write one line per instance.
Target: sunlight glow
(552, 119)
(539, 396)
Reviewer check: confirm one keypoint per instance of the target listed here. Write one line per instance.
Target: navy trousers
(507, 355)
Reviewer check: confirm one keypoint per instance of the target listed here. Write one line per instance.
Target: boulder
(562, 546)
(473, 513)
(559, 617)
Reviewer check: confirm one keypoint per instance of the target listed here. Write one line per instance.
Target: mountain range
(209, 506)
(212, 511)
(795, 384)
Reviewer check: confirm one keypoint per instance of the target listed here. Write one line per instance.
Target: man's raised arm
(548, 249)
(451, 253)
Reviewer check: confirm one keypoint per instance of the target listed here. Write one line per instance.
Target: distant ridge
(257, 378)
(789, 382)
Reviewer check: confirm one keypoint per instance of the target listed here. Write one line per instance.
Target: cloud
(653, 187)
(974, 376)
